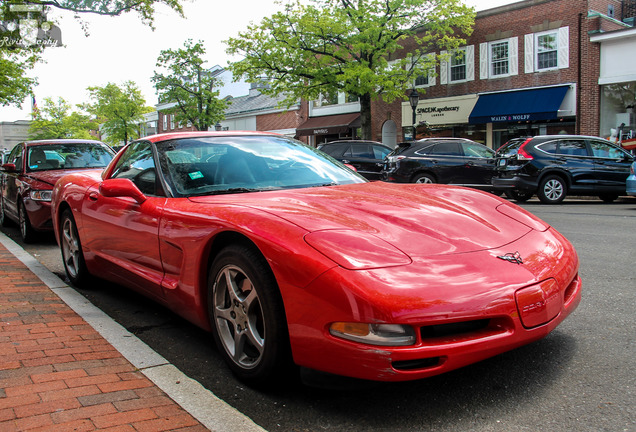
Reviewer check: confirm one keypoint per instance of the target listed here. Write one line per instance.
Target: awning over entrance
(519, 105)
(329, 125)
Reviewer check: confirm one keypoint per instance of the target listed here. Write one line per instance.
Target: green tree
(119, 110)
(355, 46)
(184, 80)
(56, 120)
(18, 59)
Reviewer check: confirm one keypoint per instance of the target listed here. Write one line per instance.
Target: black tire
(423, 178)
(4, 220)
(28, 234)
(552, 190)
(72, 253)
(520, 196)
(247, 315)
(608, 198)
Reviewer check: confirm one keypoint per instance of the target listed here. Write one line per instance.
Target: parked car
(555, 166)
(631, 181)
(31, 170)
(367, 157)
(455, 161)
(290, 258)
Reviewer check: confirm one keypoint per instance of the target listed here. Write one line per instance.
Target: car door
(366, 158)
(479, 163)
(574, 158)
(11, 182)
(611, 166)
(446, 161)
(123, 233)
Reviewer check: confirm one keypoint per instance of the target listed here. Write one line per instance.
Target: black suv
(367, 157)
(441, 160)
(554, 166)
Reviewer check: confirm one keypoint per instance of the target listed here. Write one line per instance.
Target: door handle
(93, 196)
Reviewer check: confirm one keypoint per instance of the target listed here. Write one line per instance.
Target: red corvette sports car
(289, 257)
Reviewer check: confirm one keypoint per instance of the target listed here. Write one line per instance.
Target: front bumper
(461, 311)
(39, 213)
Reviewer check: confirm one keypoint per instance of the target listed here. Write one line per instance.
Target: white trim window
(171, 121)
(426, 79)
(498, 58)
(547, 50)
(460, 66)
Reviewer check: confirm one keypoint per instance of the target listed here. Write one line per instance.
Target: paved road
(581, 377)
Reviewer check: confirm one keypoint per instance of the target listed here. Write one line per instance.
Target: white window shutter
(483, 61)
(443, 70)
(529, 52)
(564, 47)
(470, 63)
(513, 56)
(431, 71)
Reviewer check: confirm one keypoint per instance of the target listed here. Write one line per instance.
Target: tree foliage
(184, 80)
(355, 46)
(56, 120)
(17, 60)
(119, 110)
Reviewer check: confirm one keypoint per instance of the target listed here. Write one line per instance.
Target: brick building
(529, 68)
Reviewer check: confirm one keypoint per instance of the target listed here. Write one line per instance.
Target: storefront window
(617, 108)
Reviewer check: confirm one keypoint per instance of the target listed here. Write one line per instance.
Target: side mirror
(8, 167)
(121, 188)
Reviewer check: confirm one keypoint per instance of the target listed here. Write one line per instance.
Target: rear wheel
(247, 314)
(552, 190)
(423, 178)
(26, 230)
(71, 248)
(520, 196)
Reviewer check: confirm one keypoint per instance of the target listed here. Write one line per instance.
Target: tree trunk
(365, 117)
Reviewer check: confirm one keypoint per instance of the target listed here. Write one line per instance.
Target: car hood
(419, 220)
(51, 176)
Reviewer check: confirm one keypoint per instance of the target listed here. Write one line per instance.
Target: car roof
(202, 134)
(62, 141)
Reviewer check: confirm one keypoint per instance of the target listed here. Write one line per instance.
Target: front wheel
(552, 190)
(519, 196)
(247, 314)
(608, 198)
(4, 220)
(27, 232)
(71, 247)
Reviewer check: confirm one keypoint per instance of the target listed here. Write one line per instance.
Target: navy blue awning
(519, 105)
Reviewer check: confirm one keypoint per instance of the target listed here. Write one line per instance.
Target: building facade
(529, 68)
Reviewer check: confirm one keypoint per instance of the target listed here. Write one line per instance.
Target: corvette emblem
(512, 257)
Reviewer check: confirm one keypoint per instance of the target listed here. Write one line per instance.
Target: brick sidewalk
(58, 374)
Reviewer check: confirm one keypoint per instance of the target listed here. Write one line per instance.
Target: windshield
(68, 156)
(234, 164)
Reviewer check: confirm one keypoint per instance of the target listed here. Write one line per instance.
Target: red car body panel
(422, 255)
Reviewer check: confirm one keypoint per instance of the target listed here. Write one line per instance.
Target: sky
(119, 49)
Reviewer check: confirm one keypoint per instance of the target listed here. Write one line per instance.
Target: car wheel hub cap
(70, 248)
(239, 317)
(553, 189)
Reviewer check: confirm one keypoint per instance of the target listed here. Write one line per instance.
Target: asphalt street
(581, 377)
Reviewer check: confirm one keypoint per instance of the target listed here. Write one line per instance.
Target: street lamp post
(414, 99)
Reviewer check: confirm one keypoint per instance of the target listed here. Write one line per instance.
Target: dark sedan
(31, 170)
(455, 161)
(367, 157)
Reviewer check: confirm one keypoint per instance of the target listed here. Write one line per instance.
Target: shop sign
(441, 111)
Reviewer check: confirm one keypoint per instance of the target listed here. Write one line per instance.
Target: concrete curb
(202, 404)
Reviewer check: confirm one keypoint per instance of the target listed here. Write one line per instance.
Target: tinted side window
(476, 150)
(359, 151)
(333, 150)
(572, 148)
(446, 149)
(549, 147)
(380, 152)
(604, 150)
